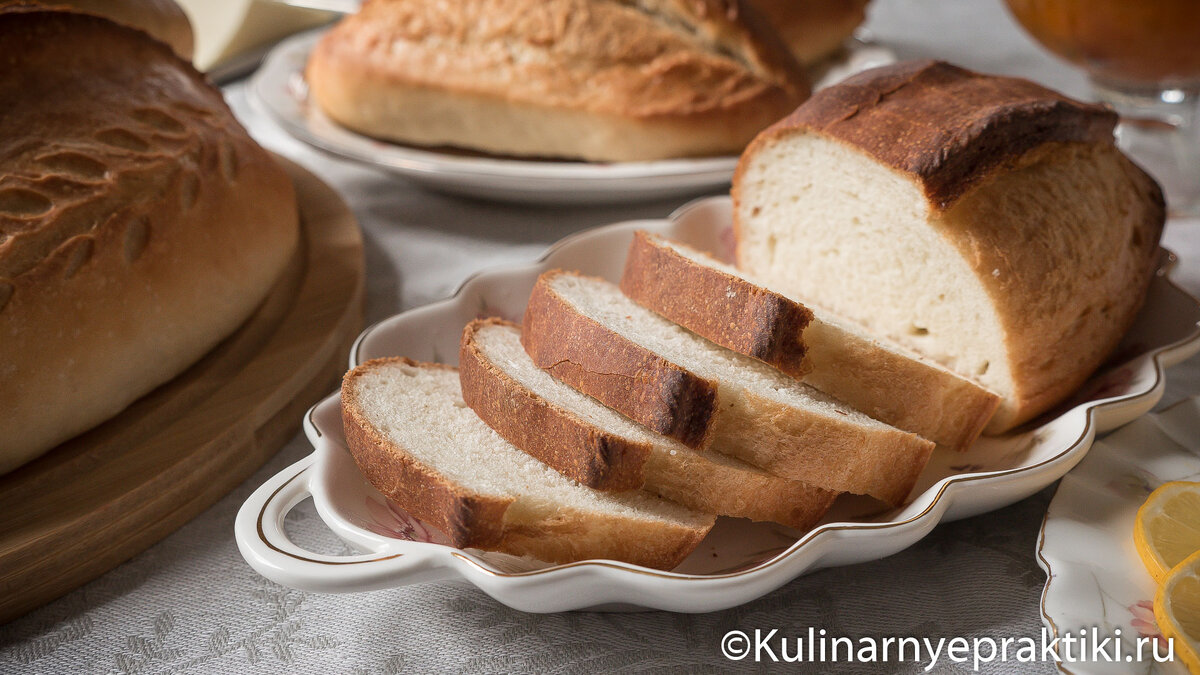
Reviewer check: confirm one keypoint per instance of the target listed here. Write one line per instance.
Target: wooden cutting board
(102, 497)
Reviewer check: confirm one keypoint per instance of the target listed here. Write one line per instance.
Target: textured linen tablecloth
(191, 604)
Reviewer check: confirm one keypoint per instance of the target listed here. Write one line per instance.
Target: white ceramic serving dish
(279, 90)
(1094, 576)
(739, 560)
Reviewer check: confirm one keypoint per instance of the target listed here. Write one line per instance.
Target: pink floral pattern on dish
(1130, 486)
(389, 520)
(1110, 384)
(1143, 621)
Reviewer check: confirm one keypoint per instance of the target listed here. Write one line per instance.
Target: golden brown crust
(624, 376)
(466, 518)
(472, 520)
(813, 29)
(1065, 295)
(162, 19)
(573, 447)
(895, 388)
(1059, 228)
(553, 434)
(947, 127)
(139, 224)
(526, 76)
(800, 445)
(728, 310)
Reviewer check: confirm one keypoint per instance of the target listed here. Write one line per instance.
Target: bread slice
(589, 335)
(722, 304)
(1010, 241)
(419, 444)
(597, 446)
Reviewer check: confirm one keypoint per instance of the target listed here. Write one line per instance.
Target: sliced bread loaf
(597, 446)
(1010, 241)
(419, 444)
(589, 335)
(722, 304)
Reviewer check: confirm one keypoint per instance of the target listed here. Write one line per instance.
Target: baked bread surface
(139, 224)
(418, 443)
(813, 29)
(163, 19)
(591, 79)
(721, 304)
(588, 442)
(591, 337)
(985, 222)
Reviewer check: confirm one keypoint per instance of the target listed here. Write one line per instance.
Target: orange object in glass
(1130, 42)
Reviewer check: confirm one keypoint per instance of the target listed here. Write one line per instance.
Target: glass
(1143, 58)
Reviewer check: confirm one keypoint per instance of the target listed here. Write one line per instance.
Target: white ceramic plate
(739, 560)
(279, 89)
(1093, 574)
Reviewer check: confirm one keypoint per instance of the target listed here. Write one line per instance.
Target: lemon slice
(1177, 610)
(1167, 529)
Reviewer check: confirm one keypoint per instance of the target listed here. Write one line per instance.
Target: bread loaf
(985, 222)
(139, 224)
(605, 80)
(890, 384)
(417, 442)
(590, 443)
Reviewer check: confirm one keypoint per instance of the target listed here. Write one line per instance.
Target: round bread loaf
(813, 29)
(139, 224)
(163, 19)
(603, 80)
(986, 222)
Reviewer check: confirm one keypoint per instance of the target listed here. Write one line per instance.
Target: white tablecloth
(191, 604)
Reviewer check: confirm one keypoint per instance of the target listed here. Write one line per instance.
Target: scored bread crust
(626, 377)
(792, 443)
(738, 314)
(573, 447)
(730, 311)
(139, 223)
(602, 80)
(601, 459)
(958, 135)
(472, 520)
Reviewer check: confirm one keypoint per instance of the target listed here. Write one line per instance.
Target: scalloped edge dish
(739, 561)
(1094, 576)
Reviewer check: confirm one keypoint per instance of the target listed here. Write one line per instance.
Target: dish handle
(265, 545)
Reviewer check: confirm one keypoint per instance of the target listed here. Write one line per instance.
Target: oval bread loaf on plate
(139, 224)
(985, 222)
(603, 80)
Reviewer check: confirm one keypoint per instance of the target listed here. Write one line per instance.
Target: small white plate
(279, 89)
(739, 561)
(1094, 576)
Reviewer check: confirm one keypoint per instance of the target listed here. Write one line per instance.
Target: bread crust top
(643, 59)
(75, 169)
(946, 126)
